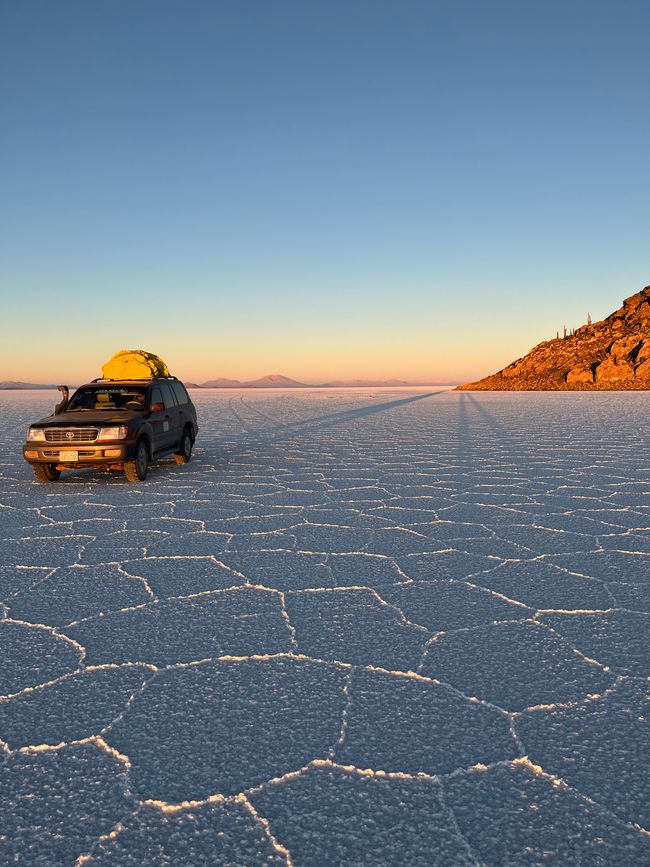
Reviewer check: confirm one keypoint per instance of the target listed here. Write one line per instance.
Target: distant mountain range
(9, 385)
(271, 380)
(276, 380)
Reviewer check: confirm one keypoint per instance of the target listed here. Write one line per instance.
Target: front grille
(71, 434)
(83, 453)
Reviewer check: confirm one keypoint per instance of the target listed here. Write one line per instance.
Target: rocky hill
(611, 354)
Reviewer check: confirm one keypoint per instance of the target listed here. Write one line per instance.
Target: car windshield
(109, 397)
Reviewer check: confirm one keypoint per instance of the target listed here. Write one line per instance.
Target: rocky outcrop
(611, 354)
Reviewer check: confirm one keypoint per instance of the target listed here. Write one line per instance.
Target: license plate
(68, 456)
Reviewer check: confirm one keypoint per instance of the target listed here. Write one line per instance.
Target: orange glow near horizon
(312, 364)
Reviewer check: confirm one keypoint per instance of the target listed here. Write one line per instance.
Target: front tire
(136, 470)
(184, 453)
(46, 472)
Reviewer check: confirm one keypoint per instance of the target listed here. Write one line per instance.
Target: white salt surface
(360, 627)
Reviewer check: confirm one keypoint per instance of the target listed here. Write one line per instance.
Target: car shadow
(333, 419)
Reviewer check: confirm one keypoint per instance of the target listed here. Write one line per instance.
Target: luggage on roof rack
(134, 364)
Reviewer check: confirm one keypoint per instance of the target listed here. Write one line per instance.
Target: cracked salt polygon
(493, 547)
(327, 539)
(445, 605)
(345, 516)
(238, 622)
(203, 836)
(399, 542)
(57, 802)
(634, 596)
(31, 655)
(408, 724)
(600, 745)
(14, 579)
(478, 513)
(196, 544)
(354, 626)
(636, 543)
(450, 532)
(510, 814)
(370, 570)
(83, 529)
(620, 639)
(223, 726)
(181, 576)
(512, 665)
(280, 541)
(339, 817)
(43, 551)
(539, 584)
(577, 522)
(444, 564)
(244, 524)
(75, 592)
(404, 516)
(71, 708)
(542, 541)
(610, 566)
(281, 570)
(97, 555)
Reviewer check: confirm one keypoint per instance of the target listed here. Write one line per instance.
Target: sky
(319, 188)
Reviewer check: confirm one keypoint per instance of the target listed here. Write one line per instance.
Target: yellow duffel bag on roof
(134, 364)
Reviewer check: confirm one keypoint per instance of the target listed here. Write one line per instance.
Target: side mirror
(65, 391)
(157, 407)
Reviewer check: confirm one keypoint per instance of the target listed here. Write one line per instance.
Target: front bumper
(79, 455)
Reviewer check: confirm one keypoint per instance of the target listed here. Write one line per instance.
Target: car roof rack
(132, 378)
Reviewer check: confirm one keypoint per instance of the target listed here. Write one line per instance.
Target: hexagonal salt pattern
(369, 627)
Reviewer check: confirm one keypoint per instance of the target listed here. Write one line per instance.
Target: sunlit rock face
(612, 354)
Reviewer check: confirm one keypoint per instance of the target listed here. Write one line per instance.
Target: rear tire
(184, 453)
(46, 472)
(136, 470)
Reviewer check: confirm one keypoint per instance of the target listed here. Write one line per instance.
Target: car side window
(168, 395)
(156, 396)
(179, 390)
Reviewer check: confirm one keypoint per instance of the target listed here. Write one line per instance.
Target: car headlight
(35, 433)
(113, 433)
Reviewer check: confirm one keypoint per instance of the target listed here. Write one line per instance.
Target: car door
(184, 408)
(172, 415)
(160, 421)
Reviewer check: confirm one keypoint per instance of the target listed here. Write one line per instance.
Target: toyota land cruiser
(118, 424)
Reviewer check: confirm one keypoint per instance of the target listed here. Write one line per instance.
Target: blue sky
(322, 189)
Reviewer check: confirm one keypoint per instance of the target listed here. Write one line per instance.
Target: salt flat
(360, 627)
